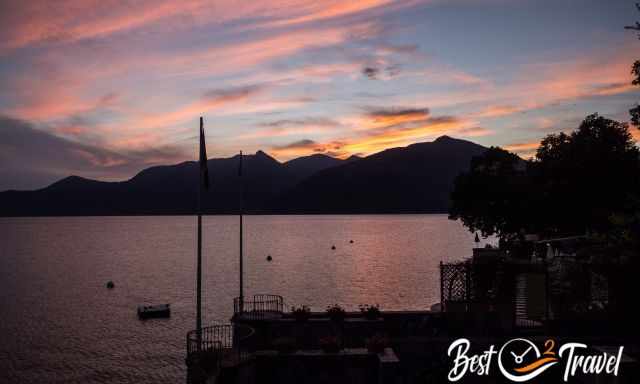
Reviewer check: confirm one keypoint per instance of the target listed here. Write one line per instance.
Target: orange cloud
(527, 149)
(399, 136)
(386, 117)
(591, 76)
(379, 129)
(498, 111)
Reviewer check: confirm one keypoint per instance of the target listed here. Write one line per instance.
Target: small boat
(154, 311)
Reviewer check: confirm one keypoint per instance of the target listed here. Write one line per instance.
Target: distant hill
(417, 178)
(305, 166)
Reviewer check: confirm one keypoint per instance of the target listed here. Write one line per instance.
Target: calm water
(60, 324)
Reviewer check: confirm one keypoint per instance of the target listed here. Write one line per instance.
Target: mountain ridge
(310, 184)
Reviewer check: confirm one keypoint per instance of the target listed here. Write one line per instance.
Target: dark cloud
(32, 158)
(216, 96)
(304, 143)
(609, 89)
(383, 112)
(397, 119)
(474, 131)
(332, 148)
(371, 72)
(308, 121)
(108, 100)
(388, 71)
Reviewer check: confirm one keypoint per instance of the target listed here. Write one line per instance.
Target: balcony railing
(213, 346)
(210, 339)
(260, 307)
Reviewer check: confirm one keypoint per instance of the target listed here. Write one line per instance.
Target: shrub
(301, 314)
(336, 312)
(370, 312)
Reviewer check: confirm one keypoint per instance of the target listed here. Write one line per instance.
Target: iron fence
(259, 307)
(210, 348)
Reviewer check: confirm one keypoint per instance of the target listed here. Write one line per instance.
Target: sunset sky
(103, 89)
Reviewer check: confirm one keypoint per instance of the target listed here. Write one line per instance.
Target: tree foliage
(490, 197)
(575, 184)
(635, 111)
(586, 176)
(635, 71)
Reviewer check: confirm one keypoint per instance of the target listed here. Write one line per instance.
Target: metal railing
(212, 346)
(210, 339)
(259, 307)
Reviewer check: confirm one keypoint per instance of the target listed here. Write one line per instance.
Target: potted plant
(301, 314)
(330, 344)
(370, 312)
(285, 345)
(377, 343)
(336, 313)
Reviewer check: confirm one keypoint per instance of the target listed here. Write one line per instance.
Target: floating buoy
(110, 284)
(333, 247)
(350, 241)
(269, 258)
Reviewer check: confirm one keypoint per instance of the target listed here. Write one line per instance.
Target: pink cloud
(41, 21)
(378, 129)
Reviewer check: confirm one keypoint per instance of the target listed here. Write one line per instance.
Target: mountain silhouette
(305, 166)
(417, 178)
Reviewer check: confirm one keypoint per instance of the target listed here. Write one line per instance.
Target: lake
(59, 324)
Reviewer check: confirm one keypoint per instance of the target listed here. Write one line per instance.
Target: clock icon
(520, 360)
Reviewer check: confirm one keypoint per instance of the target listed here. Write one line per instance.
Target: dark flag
(204, 171)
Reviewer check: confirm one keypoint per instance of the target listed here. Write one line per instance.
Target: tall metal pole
(241, 240)
(199, 277)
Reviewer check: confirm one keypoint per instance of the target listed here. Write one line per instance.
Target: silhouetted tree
(576, 183)
(492, 197)
(635, 111)
(586, 176)
(635, 70)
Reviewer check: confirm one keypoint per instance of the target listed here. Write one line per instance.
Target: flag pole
(199, 272)
(241, 240)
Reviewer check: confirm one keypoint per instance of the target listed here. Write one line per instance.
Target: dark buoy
(269, 258)
(110, 284)
(333, 247)
(350, 241)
